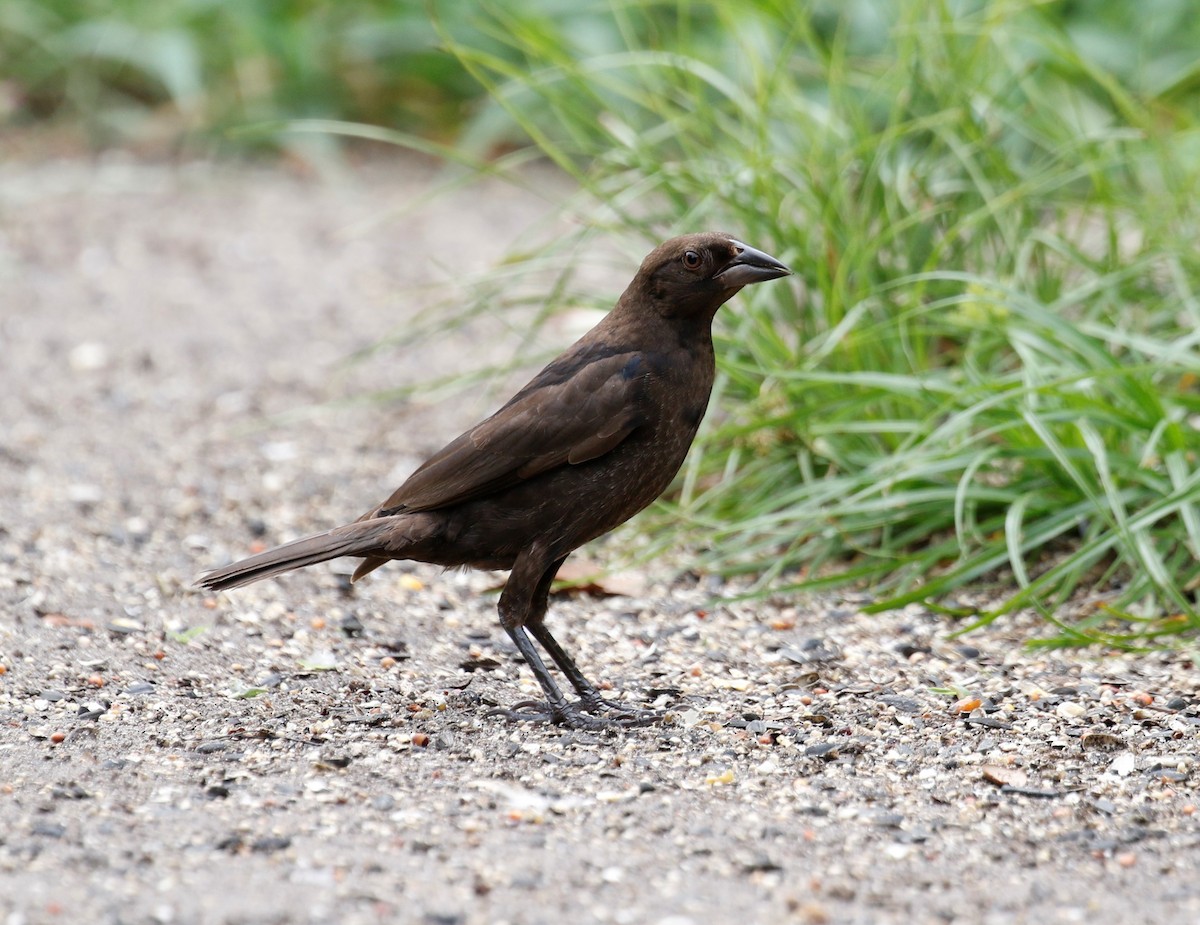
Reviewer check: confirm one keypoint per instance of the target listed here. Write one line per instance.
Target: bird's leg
(518, 602)
(555, 700)
(589, 697)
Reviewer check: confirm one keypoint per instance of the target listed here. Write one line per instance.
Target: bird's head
(696, 274)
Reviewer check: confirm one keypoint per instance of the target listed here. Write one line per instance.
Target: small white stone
(280, 450)
(88, 357)
(81, 493)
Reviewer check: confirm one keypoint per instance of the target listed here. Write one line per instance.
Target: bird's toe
(578, 714)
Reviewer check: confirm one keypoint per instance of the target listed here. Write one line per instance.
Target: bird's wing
(578, 408)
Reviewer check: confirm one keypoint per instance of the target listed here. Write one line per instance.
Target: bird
(590, 441)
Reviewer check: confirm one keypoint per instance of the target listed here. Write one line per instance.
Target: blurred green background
(984, 385)
(203, 66)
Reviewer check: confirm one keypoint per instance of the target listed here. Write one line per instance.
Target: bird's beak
(750, 266)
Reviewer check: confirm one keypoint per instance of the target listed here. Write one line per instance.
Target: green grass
(125, 69)
(189, 71)
(987, 372)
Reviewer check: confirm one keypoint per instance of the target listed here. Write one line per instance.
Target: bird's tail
(356, 539)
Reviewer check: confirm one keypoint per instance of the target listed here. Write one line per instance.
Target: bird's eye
(691, 260)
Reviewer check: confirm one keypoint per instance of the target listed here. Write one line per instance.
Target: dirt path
(297, 752)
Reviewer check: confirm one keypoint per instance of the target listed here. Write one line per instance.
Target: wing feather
(533, 433)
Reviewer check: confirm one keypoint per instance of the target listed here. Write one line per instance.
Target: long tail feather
(357, 539)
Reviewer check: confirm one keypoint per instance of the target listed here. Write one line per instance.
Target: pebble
(901, 703)
(88, 357)
(1004, 776)
(84, 494)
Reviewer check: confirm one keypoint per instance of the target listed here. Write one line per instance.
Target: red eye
(691, 260)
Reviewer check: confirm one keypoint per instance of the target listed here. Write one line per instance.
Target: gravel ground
(300, 751)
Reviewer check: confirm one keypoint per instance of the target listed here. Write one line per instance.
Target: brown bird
(594, 438)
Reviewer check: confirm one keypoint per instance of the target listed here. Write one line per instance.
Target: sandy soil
(172, 346)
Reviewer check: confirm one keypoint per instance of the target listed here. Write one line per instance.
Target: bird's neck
(634, 316)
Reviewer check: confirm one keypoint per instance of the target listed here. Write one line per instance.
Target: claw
(577, 714)
(527, 711)
(626, 715)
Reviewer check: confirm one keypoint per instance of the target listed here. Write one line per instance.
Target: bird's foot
(579, 714)
(625, 714)
(570, 715)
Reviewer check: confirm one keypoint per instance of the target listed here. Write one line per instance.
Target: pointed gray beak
(750, 266)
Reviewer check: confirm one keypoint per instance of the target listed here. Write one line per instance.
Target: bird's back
(668, 377)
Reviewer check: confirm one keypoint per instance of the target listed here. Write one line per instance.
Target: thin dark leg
(587, 690)
(537, 626)
(590, 698)
(524, 597)
(554, 697)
